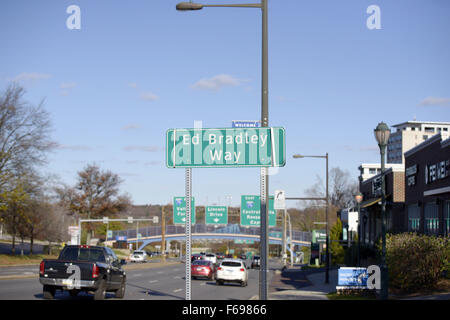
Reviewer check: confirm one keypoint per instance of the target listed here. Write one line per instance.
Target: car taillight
(219, 268)
(95, 271)
(242, 269)
(42, 268)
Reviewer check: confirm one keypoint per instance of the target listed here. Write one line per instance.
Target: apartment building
(411, 133)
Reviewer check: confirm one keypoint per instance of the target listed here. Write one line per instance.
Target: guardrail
(202, 229)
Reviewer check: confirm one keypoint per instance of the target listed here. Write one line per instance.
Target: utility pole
(163, 233)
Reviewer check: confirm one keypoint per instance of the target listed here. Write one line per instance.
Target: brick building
(427, 193)
(371, 205)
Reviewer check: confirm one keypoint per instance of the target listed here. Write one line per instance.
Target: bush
(415, 261)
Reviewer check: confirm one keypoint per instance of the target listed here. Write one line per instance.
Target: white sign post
(280, 200)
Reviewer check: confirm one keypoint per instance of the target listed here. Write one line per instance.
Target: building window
(445, 129)
(413, 218)
(431, 218)
(372, 171)
(429, 129)
(447, 217)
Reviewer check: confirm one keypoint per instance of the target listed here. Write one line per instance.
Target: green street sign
(226, 147)
(275, 234)
(244, 241)
(216, 215)
(251, 211)
(179, 210)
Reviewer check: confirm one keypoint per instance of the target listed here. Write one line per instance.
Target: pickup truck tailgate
(60, 269)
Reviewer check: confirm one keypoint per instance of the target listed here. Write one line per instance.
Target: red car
(202, 268)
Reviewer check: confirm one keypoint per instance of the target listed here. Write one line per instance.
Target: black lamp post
(382, 133)
(358, 199)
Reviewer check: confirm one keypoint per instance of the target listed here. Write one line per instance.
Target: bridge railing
(203, 228)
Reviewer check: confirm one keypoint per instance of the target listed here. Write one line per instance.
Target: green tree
(337, 250)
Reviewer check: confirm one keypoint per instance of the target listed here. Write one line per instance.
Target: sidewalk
(296, 284)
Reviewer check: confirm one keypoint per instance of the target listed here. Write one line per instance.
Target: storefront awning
(371, 202)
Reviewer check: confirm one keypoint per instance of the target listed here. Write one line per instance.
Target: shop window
(447, 217)
(431, 218)
(413, 218)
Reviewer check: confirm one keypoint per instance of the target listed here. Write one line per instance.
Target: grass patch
(9, 259)
(335, 296)
(313, 267)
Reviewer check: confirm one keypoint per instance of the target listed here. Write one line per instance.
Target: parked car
(232, 270)
(220, 256)
(243, 257)
(83, 268)
(196, 256)
(138, 256)
(210, 257)
(256, 262)
(203, 268)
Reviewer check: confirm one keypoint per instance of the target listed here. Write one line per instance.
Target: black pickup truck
(83, 268)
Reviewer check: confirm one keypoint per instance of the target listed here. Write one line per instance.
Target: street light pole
(327, 260)
(359, 198)
(382, 133)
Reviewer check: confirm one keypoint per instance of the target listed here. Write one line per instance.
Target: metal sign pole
(264, 233)
(188, 232)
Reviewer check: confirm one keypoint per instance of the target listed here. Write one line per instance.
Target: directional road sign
(251, 211)
(226, 147)
(216, 215)
(179, 210)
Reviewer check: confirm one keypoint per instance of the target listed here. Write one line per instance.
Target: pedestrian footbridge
(209, 232)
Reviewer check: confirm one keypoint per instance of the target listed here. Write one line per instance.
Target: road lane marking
(153, 281)
(177, 290)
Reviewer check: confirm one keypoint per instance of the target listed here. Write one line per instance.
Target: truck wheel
(100, 293)
(120, 293)
(49, 292)
(74, 293)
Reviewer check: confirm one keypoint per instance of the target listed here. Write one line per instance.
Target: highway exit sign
(251, 211)
(226, 147)
(216, 215)
(179, 210)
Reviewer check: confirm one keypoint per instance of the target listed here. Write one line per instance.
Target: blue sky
(137, 68)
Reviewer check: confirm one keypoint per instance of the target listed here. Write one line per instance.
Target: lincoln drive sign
(227, 147)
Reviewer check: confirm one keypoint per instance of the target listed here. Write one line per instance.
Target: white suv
(138, 256)
(232, 270)
(210, 257)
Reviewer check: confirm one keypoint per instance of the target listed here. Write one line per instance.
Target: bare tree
(341, 189)
(24, 134)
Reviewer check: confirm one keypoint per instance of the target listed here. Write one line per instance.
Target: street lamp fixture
(382, 133)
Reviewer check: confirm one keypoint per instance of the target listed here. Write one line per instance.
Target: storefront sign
(437, 171)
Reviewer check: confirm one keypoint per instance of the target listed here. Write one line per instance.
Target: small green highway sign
(226, 147)
(251, 211)
(179, 210)
(216, 215)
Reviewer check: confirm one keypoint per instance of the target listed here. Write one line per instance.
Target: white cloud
(131, 126)
(72, 147)
(141, 148)
(68, 85)
(217, 82)
(435, 101)
(31, 76)
(132, 85)
(148, 96)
